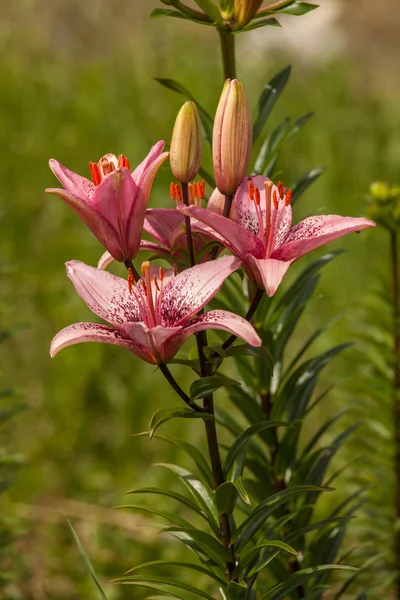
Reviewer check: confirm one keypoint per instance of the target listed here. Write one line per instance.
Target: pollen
(288, 197)
(281, 190)
(156, 282)
(275, 200)
(257, 196)
(95, 173)
(161, 274)
(131, 280)
(172, 191)
(251, 190)
(123, 162)
(178, 192)
(201, 188)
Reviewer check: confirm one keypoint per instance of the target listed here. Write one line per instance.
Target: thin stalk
(227, 42)
(227, 206)
(280, 485)
(177, 388)
(129, 265)
(396, 388)
(189, 237)
(213, 450)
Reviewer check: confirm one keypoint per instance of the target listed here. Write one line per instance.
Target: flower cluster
(249, 216)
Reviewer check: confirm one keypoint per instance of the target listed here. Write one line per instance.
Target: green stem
(189, 237)
(249, 315)
(227, 40)
(396, 388)
(129, 265)
(177, 388)
(213, 450)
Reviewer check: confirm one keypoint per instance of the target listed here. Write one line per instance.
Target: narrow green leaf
(238, 483)
(268, 98)
(159, 585)
(257, 518)
(282, 589)
(184, 565)
(271, 21)
(156, 13)
(192, 451)
(173, 583)
(207, 176)
(247, 350)
(255, 552)
(209, 8)
(296, 8)
(173, 518)
(88, 564)
(201, 493)
(302, 184)
(175, 496)
(166, 414)
(225, 497)
(214, 549)
(239, 447)
(208, 385)
(237, 591)
(206, 119)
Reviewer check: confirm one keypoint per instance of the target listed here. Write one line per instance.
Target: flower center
(275, 203)
(106, 165)
(149, 292)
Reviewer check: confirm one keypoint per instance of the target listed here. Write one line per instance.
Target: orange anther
(275, 200)
(195, 190)
(281, 190)
(95, 173)
(251, 190)
(288, 197)
(123, 162)
(161, 274)
(156, 282)
(256, 194)
(178, 192)
(201, 188)
(131, 280)
(172, 191)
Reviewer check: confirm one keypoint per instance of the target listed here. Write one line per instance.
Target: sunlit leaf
(166, 414)
(205, 386)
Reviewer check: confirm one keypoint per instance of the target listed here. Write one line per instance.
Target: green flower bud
(245, 10)
(186, 144)
(232, 138)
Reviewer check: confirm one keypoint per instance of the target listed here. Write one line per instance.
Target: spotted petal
(105, 294)
(239, 240)
(88, 332)
(161, 223)
(154, 154)
(316, 231)
(80, 186)
(214, 319)
(189, 291)
(151, 338)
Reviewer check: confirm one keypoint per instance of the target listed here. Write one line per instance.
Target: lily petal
(154, 153)
(236, 238)
(98, 225)
(268, 272)
(161, 223)
(88, 332)
(316, 231)
(137, 210)
(105, 260)
(189, 291)
(151, 338)
(214, 319)
(72, 181)
(105, 294)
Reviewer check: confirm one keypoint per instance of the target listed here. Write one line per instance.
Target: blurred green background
(76, 83)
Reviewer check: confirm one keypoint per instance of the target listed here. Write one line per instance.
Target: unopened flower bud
(232, 138)
(185, 151)
(245, 10)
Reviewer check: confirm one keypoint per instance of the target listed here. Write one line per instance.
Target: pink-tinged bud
(245, 10)
(186, 144)
(232, 138)
(216, 204)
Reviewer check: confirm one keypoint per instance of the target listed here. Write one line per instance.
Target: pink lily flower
(156, 316)
(113, 206)
(261, 234)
